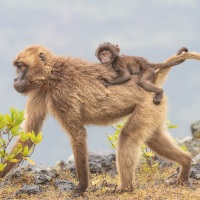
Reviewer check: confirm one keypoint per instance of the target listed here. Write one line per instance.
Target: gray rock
(163, 163)
(66, 166)
(61, 165)
(195, 129)
(33, 189)
(16, 173)
(40, 174)
(195, 171)
(43, 176)
(193, 145)
(99, 162)
(63, 185)
(196, 159)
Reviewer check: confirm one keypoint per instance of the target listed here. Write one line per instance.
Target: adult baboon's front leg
(79, 147)
(33, 121)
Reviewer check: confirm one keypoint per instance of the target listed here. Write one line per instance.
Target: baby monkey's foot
(157, 98)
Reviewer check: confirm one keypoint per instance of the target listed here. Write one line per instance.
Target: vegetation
(9, 129)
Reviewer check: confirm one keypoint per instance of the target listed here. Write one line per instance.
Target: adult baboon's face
(21, 83)
(30, 69)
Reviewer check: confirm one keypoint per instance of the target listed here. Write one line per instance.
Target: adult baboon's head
(32, 69)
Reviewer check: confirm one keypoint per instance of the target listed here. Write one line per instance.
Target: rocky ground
(38, 179)
(99, 162)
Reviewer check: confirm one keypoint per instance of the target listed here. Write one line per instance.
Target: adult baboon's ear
(42, 57)
(117, 47)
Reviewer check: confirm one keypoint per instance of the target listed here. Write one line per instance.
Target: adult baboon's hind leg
(163, 145)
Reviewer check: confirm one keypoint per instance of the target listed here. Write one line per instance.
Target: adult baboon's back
(71, 90)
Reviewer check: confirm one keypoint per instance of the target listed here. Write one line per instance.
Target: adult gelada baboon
(71, 90)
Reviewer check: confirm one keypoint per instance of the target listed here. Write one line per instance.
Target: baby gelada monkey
(125, 66)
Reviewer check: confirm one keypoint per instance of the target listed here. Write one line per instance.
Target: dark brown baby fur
(126, 66)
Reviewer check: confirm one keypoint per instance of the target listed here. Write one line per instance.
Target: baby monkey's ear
(117, 48)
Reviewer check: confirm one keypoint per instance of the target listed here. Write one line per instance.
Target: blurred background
(151, 29)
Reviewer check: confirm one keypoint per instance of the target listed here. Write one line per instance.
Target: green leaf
(19, 146)
(183, 147)
(1, 118)
(3, 141)
(8, 119)
(32, 137)
(25, 151)
(14, 160)
(149, 154)
(18, 117)
(3, 153)
(29, 160)
(24, 136)
(156, 164)
(36, 138)
(12, 112)
(9, 157)
(143, 147)
(2, 121)
(2, 166)
(15, 131)
(173, 126)
(18, 149)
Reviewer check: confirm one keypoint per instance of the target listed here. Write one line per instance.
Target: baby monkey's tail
(170, 64)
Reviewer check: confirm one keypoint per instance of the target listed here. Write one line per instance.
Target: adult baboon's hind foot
(185, 172)
(175, 181)
(79, 190)
(157, 98)
(129, 188)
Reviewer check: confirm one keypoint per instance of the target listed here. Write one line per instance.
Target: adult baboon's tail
(162, 73)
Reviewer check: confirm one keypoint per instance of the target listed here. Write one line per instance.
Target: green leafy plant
(149, 159)
(9, 129)
(170, 126)
(113, 138)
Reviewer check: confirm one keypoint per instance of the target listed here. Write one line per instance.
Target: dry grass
(148, 186)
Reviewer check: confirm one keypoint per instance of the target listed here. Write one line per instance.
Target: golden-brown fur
(70, 89)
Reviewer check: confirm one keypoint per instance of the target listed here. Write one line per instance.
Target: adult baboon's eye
(23, 67)
(18, 64)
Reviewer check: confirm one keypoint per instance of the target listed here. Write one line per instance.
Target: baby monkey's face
(106, 57)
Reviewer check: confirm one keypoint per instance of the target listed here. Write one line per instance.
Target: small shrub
(9, 129)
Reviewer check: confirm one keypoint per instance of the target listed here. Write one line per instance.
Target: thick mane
(83, 67)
